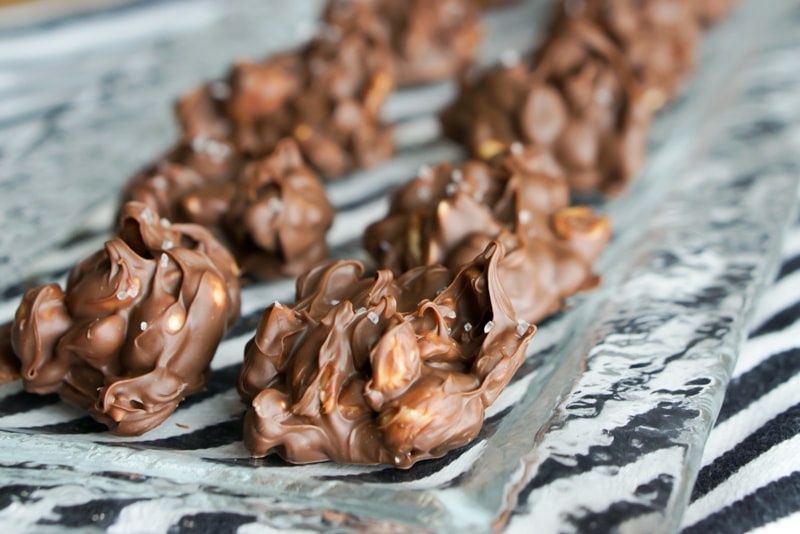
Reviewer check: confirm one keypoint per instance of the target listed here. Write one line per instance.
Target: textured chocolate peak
(450, 214)
(272, 213)
(136, 328)
(430, 40)
(581, 103)
(658, 38)
(278, 215)
(381, 370)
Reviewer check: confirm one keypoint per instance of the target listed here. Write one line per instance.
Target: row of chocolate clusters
(576, 119)
(391, 368)
(136, 327)
(588, 94)
(326, 97)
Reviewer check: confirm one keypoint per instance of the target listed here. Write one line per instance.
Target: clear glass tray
(603, 426)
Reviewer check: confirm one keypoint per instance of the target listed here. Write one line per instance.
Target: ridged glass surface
(603, 426)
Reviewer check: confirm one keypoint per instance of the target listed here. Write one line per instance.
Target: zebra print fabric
(606, 426)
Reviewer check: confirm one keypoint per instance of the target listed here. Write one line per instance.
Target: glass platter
(604, 425)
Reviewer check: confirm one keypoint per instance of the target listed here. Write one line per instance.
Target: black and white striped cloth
(749, 478)
(750, 474)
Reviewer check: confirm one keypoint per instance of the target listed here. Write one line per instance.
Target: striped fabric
(749, 477)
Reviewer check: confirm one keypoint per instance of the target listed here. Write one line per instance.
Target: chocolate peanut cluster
(327, 96)
(273, 213)
(135, 329)
(658, 38)
(581, 103)
(381, 369)
(450, 213)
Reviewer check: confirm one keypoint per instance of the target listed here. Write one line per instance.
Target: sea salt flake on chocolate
(522, 327)
(488, 327)
(219, 90)
(509, 58)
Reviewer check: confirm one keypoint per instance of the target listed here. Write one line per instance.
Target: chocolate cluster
(580, 102)
(327, 96)
(658, 38)
(450, 213)
(272, 213)
(381, 369)
(135, 329)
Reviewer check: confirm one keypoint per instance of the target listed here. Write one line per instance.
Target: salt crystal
(509, 58)
(163, 260)
(147, 216)
(373, 317)
(219, 90)
(467, 327)
(522, 327)
(143, 326)
(524, 216)
(164, 222)
(167, 244)
(488, 327)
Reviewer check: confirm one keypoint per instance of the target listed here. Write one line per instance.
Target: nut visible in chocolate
(381, 370)
(581, 103)
(135, 329)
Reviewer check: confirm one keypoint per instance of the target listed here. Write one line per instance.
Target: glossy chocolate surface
(381, 369)
(135, 329)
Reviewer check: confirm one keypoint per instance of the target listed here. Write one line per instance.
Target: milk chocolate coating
(135, 329)
(381, 370)
(278, 215)
(430, 40)
(658, 38)
(581, 103)
(272, 213)
(327, 96)
(450, 214)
